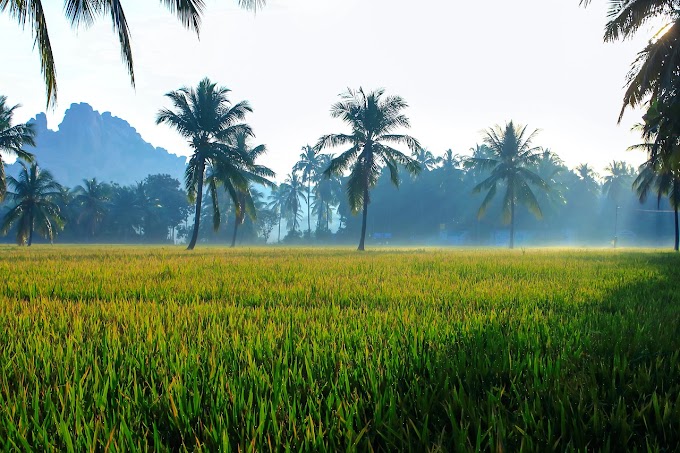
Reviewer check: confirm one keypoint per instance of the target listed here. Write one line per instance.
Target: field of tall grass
(149, 348)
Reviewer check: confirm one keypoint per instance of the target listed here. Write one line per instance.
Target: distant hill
(89, 144)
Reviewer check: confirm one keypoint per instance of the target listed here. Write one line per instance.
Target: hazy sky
(461, 66)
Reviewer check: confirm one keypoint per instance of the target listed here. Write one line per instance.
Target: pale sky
(461, 66)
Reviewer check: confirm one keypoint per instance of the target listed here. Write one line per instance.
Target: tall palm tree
(292, 191)
(237, 174)
(373, 118)
(310, 166)
(450, 162)
(664, 180)
(13, 138)
(511, 157)
(36, 193)
(655, 72)
(277, 201)
(93, 199)
(326, 194)
(83, 13)
(208, 120)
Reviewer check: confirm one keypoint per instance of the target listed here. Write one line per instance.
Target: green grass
(142, 348)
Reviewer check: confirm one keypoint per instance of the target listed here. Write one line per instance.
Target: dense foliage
(327, 350)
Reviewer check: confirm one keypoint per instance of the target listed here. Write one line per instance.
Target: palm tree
(425, 158)
(326, 194)
(277, 201)
(206, 118)
(309, 165)
(373, 118)
(654, 73)
(450, 162)
(12, 139)
(292, 190)
(36, 193)
(588, 176)
(237, 174)
(93, 199)
(618, 181)
(85, 13)
(511, 157)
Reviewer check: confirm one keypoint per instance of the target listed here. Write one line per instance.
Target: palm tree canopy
(208, 120)
(36, 194)
(655, 70)
(13, 138)
(374, 119)
(83, 13)
(510, 157)
(618, 180)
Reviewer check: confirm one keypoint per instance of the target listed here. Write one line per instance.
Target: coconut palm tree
(36, 194)
(93, 199)
(425, 158)
(13, 138)
(373, 118)
(83, 13)
(209, 122)
(663, 179)
(237, 173)
(292, 191)
(326, 194)
(655, 72)
(277, 201)
(618, 181)
(310, 166)
(511, 159)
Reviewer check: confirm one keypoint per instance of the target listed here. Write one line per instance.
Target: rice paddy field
(159, 349)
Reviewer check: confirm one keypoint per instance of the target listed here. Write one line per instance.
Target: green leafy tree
(209, 122)
(93, 199)
(309, 166)
(168, 206)
(511, 160)
(373, 119)
(83, 13)
(35, 193)
(327, 192)
(13, 138)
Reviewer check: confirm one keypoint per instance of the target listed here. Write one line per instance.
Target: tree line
(225, 183)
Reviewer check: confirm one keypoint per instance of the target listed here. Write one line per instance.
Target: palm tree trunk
(512, 222)
(677, 230)
(280, 217)
(309, 205)
(363, 220)
(199, 200)
(30, 230)
(233, 238)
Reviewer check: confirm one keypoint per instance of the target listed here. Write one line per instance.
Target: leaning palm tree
(208, 120)
(93, 199)
(237, 173)
(309, 166)
(36, 194)
(655, 71)
(373, 118)
(12, 139)
(84, 13)
(511, 158)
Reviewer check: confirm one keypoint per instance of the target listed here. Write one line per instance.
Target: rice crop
(272, 349)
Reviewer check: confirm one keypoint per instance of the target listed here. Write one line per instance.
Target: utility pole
(616, 225)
